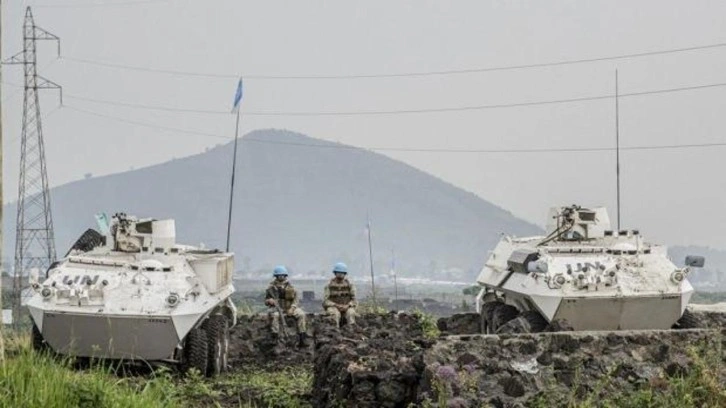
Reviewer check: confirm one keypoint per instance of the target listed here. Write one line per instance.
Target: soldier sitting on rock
(339, 297)
(281, 297)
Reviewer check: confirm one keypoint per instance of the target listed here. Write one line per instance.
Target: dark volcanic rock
(462, 323)
(385, 361)
(563, 364)
(251, 343)
(377, 363)
(386, 366)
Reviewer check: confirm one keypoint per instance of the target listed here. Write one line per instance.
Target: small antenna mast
(370, 259)
(617, 145)
(393, 271)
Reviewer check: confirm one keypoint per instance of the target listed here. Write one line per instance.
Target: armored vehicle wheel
(498, 314)
(483, 326)
(687, 321)
(217, 344)
(225, 347)
(529, 321)
(485, 317)
(537, 323)
(38, 341)
(195, 351)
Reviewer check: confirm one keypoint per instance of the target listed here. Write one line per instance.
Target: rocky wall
(386, 361)
(711, 319)
(252, 343)
(394, 365)
(375, 364)
(517, 370)
(470, 323)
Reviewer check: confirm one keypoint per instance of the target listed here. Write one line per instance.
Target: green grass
(30, 379)
(700, 387)
(369, 307)
(288, 387)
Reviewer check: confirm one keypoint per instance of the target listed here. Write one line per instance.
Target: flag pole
(234, 166)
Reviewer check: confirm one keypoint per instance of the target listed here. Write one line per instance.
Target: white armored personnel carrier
(135, 294)
(585, 273)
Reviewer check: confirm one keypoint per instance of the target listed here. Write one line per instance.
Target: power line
(399, 74)
(402, 149)
(542, 150)
(146, 107)
(100, 4)
(156, 70)
(400, 111)
(145, 124)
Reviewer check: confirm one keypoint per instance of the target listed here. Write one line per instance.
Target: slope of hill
(300, 205)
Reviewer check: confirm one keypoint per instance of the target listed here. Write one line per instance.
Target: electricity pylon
(34, 240)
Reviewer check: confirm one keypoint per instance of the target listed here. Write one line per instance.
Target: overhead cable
(144, 124)
(399, 74)
(100, 4)
(399, 111)
(400, 149)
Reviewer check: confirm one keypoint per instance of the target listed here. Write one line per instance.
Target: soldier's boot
(302, 340)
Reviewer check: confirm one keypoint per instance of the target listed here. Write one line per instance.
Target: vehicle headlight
(172, 300)
(46, 293)
(678, 276)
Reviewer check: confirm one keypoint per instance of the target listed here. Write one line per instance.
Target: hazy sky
(673, 196)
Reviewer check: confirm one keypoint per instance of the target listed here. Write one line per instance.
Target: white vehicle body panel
(598, 280)
(111, 303)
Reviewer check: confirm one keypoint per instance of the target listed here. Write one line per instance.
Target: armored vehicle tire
(496, 314)
(195, 351)
(537, 323)
(687, 321)
(529, 321)
(38, 341)
(217, 344)
(225, 346)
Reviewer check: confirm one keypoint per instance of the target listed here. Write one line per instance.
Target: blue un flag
(237, 96)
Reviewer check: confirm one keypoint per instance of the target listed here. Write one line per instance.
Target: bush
(428, 324)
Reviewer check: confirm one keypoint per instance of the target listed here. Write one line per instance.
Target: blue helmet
(280, 270)
(340, 267)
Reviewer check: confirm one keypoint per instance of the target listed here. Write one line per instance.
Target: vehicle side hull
(114, 337)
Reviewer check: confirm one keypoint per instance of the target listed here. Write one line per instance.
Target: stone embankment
(516, 370)
(252, 343)
(709, 316)
(388, 362)
(374, 364)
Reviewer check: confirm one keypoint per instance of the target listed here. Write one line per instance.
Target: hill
(299, 205)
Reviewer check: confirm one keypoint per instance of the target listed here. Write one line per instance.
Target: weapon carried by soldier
(281, 321)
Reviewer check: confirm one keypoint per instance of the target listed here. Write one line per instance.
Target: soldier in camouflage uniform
(280, 290)
(339, 299)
